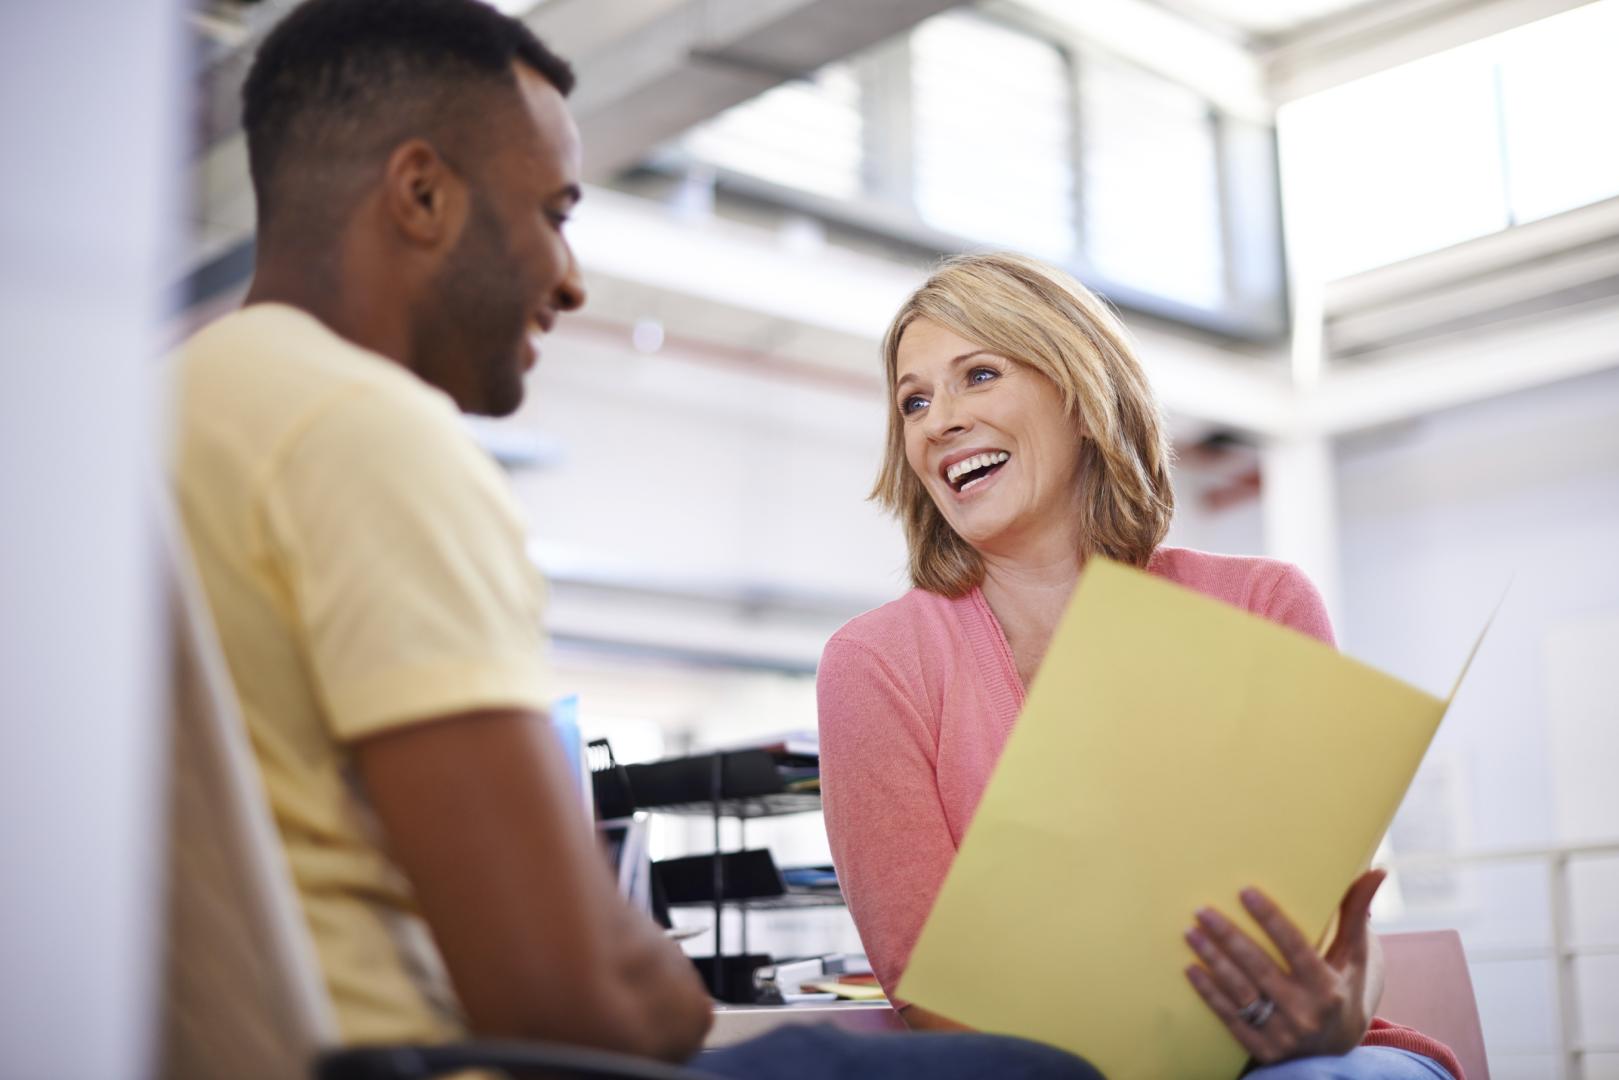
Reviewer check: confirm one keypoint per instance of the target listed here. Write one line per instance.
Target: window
(1455, 146)
(1559, 85)
(1151, 184)
(981, 131)
(804, 134)
(991, 115)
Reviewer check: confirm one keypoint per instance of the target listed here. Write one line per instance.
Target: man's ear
(422, 194)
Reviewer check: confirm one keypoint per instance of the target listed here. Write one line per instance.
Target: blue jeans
(804, 1052)
(1361, 1063)
(801, 1052)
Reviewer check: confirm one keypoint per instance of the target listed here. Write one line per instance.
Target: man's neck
(350, 305)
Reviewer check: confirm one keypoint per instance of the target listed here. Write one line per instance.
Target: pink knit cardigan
(916, 700)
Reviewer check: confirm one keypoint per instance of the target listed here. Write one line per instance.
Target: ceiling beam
(1503, 358)
(630, 241)
(847, 298)
(666, 65)
(1379, 36)
(647, 71)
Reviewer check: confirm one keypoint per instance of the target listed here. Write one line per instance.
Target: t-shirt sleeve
(403, 555)
(1296, 602)
(890, 840)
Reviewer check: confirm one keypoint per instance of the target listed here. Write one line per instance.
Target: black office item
(752, 783)
(739, 784)
(734, 977)
(747, 875)
(610, 782)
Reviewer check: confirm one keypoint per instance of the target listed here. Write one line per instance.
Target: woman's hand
(1317, 1005)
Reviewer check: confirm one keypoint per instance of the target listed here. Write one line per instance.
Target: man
(414, 165)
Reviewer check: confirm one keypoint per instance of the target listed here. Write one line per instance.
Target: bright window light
(1560, 87)
(804, 134)
(1453, 146)
(992, 130)
(1394, 165)
(1151, 183)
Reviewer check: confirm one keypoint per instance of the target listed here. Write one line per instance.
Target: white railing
(1571, 1050)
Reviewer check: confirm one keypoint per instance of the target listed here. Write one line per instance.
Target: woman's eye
(982, 375)
(912, 404)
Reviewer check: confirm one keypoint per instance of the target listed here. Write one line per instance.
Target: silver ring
(1257, 1012)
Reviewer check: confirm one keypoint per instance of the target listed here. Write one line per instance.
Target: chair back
(243, 993)
(1428, 988)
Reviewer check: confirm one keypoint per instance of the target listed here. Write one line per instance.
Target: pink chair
(1428, 988)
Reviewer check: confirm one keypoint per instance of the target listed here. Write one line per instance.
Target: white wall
(1437, 517)
(87, 210)
(685, 472)
(1437, 520)
(1235, 529)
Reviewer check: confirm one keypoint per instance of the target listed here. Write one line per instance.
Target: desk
(738, 1023)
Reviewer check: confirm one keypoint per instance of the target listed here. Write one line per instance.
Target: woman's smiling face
(988, 437)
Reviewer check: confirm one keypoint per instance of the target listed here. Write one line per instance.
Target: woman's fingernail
(1196, 939)
(1251, 897)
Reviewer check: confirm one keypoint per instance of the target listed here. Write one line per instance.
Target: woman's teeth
(978, 462)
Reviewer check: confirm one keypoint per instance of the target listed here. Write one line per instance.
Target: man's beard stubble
(471, 337)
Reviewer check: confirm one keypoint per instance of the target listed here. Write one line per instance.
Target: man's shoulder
(258, 378)
(280, 350)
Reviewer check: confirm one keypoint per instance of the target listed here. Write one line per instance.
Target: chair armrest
(411, 1062)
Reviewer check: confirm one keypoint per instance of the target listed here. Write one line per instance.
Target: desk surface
(738, 1023)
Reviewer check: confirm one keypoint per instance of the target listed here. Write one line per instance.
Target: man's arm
(481, 813)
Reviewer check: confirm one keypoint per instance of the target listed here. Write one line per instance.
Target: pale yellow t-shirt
(365, 563)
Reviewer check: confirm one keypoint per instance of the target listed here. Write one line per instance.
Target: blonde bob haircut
(1040, 317)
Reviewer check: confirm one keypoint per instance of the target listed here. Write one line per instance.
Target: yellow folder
(1173, 751)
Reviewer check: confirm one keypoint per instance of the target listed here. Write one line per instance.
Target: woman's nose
(945, 416)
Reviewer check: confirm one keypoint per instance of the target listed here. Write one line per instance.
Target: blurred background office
(1369, 249)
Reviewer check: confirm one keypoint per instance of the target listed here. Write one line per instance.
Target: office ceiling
(1264, 19)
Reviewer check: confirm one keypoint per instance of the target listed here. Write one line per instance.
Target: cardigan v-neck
(993, 653)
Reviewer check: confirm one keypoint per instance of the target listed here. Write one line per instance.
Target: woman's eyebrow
(911, 376)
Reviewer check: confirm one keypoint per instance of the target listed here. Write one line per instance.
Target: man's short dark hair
(347, 79)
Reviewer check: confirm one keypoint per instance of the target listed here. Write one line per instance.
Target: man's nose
(570, 294)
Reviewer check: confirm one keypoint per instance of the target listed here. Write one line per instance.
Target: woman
(1023, 438)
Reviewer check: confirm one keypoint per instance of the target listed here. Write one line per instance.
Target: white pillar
(88, 210)
(1299, 499)
(1297, 471)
